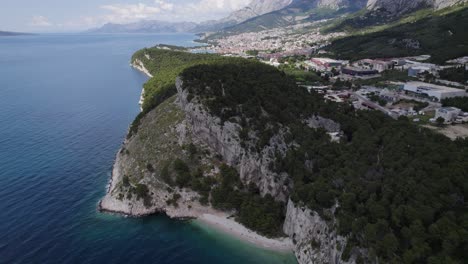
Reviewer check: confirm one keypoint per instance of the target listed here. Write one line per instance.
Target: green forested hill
(441, 34)
(165, 65)
(299, 11)
(401, 188)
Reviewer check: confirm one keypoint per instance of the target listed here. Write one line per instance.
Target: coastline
(188, 209)
(138, 65)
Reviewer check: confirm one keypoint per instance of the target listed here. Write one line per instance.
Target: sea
(66, 101)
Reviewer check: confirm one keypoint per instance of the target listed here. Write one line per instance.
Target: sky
(78, 15)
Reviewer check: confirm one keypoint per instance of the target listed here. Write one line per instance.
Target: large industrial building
(432, 90)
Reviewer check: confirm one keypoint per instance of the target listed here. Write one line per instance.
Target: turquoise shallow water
(65, 104)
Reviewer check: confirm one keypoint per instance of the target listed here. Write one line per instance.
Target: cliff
(314, 238)
(159, 139)
(163, 136)
(397, 7)
(224, 140)
(238, 138)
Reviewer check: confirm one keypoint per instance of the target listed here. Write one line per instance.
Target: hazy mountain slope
(380, 14)
(150, 26)
(255, 8)
(397, 7)
(441, 34)
(298, 11)
(8, 33)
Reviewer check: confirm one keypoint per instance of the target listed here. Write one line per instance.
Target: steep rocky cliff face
(161, 137)
(314, 238)
(224, 139)
(438, 4)
(136, 187)
(256, 8)
(397, 7)
(337, 4)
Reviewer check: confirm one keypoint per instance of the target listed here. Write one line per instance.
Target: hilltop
(238, 136)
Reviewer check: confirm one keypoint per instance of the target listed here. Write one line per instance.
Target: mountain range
(267, 14)
(254, 9)
(9, 33)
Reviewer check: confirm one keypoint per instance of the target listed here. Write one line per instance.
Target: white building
(449, 114)
(432, 90)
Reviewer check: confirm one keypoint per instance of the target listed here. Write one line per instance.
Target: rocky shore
(189, 208)
(163, 136)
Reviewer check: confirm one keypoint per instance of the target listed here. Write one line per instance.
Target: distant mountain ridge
(267, 14)
(255, 8)
(296, 12)
(9, 33)
(146, 26)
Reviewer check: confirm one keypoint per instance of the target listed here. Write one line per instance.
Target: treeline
(459, 102)
(226, 192)
(457, 74)
(401, 189)
(430, 35)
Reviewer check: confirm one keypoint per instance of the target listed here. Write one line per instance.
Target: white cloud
(194, 10)
(128, 12)
(164, 5)
(40, 21)
(166, 10)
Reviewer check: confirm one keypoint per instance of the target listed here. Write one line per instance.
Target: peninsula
(240, 145)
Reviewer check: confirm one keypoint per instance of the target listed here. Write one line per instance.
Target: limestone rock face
(397, 7)
(337, 4)
(257, 8)
(224, 139)
(315, 239)
(439, 4)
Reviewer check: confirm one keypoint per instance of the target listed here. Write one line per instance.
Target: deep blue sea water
(65, 105)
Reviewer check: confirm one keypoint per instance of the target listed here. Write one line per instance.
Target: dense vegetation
(459, 102)
(401, 189)
(165, 65)
(457, 74)
(227, 192)
(428, 35)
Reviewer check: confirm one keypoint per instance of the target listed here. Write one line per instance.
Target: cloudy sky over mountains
(71, 15)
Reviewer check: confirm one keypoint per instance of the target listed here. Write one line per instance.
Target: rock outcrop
(398, 7)
(256, 8)
(224, 139)
(182, 119)
(316, 240)
(158, 140)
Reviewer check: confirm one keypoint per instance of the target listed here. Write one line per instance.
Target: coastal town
(410, 87)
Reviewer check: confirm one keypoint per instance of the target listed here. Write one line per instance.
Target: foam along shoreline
(137, 64)
(223, 223)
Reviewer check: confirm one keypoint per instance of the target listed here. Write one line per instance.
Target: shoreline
(195, 212)
(222, 222)
(138, 65)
